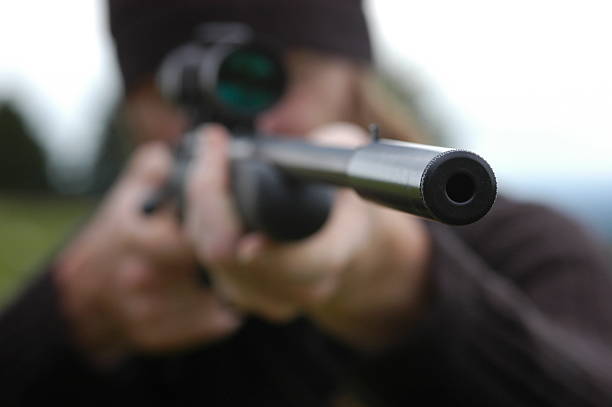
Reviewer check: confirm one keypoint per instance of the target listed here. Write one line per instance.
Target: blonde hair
(376, 103)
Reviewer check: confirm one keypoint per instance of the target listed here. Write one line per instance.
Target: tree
(112, 154)
(22, 161)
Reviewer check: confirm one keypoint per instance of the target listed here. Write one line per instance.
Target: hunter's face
(320, 90)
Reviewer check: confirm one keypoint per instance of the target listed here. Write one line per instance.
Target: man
(377, 308)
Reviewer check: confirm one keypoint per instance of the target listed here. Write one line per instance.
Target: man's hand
(361, 277)
(128, 281)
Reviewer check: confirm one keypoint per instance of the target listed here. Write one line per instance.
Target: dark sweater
(520, 314)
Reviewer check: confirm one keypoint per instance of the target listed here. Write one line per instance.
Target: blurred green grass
(31, 227)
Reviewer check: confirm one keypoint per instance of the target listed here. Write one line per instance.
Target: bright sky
(56, 60)
(527, 84)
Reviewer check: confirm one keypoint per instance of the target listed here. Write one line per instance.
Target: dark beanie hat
(145, 30)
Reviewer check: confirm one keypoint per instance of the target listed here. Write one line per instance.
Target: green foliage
(22, 162)
(31, 227)
(113, 153)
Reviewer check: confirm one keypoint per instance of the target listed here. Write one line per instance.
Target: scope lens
(250, 81)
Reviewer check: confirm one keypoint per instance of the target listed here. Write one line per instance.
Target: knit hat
(146, 30)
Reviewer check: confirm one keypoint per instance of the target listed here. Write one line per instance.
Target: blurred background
(525, 84)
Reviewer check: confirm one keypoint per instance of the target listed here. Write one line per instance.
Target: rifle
(284, 187)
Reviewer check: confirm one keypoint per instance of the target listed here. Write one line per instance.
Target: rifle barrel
(447, 185)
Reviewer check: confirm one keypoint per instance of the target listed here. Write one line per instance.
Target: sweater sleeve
(520, 314)
(39, 362)
(34, 344)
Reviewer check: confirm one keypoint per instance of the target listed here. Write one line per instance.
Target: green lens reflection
(249, 81)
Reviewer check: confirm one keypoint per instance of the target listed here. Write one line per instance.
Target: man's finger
(212, 221)
(339, 134)
(150, 165)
